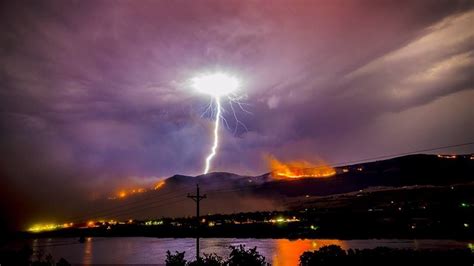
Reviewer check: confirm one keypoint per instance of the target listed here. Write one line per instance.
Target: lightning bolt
(218, 85)
(216, 135)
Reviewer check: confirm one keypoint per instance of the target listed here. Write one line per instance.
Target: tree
(208, 260)
(239, 256)
(327, 255)
(175, 260)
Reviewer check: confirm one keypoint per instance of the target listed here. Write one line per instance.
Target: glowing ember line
(216, 136)
(298, 169)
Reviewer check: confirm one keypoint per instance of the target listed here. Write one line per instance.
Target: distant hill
(397, 172)
(231, 193)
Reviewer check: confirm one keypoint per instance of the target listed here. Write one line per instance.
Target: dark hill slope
(397, 172)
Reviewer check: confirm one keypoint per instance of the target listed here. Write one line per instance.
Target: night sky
(95, 95)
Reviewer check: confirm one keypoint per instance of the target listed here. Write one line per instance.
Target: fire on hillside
(298, 169)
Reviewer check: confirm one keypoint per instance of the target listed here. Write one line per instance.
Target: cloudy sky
(94, 94)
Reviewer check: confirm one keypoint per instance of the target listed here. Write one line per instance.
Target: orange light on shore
(37, 228)
(298, 169)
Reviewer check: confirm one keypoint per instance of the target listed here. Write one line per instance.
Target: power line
(402, 154)
(134, 210)
(153, 197)
(131, 211)
(141, 204)
(197, 198)
(118, 212)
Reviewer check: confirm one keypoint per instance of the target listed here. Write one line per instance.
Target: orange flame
(122, 194)
(298, 169)
(159, 185)
(127, 192)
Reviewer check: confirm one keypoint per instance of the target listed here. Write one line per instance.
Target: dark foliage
(175, 260)
(208, 260)
(23, 257)
(239, 256)
(334, 255)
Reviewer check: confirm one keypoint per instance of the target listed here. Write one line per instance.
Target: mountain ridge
(232, 193)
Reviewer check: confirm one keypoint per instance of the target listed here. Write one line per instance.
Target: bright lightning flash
(216, 85)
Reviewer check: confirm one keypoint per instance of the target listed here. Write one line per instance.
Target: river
(147, 250)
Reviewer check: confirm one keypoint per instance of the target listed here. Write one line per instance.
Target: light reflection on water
(288, 252)
(88, 251)
(142, 250)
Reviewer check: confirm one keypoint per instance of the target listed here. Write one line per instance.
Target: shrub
(208, 260)
(239, 256)
(23, 257)
(327, 255)
(334, 255)
(175, 260)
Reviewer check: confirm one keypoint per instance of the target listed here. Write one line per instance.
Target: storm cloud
(95, 94)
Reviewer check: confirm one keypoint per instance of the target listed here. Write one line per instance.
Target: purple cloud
(93, 92)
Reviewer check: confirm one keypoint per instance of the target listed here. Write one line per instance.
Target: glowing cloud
(217, 84)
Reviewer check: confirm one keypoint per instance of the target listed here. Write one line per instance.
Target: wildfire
(124, 193)
(159, 185)
(298, 169)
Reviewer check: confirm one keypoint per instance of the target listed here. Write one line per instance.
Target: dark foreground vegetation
(238, 256)
(26, 257)
(334, 255)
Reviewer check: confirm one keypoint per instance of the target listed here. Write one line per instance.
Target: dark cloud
(93, 92)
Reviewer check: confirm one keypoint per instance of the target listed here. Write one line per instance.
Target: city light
(38, 228)
(151, 222)
(43, 227)
(284, 220)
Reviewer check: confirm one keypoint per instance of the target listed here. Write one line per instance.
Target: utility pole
(197, 198)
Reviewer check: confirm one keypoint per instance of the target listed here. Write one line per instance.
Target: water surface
(147, 250)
